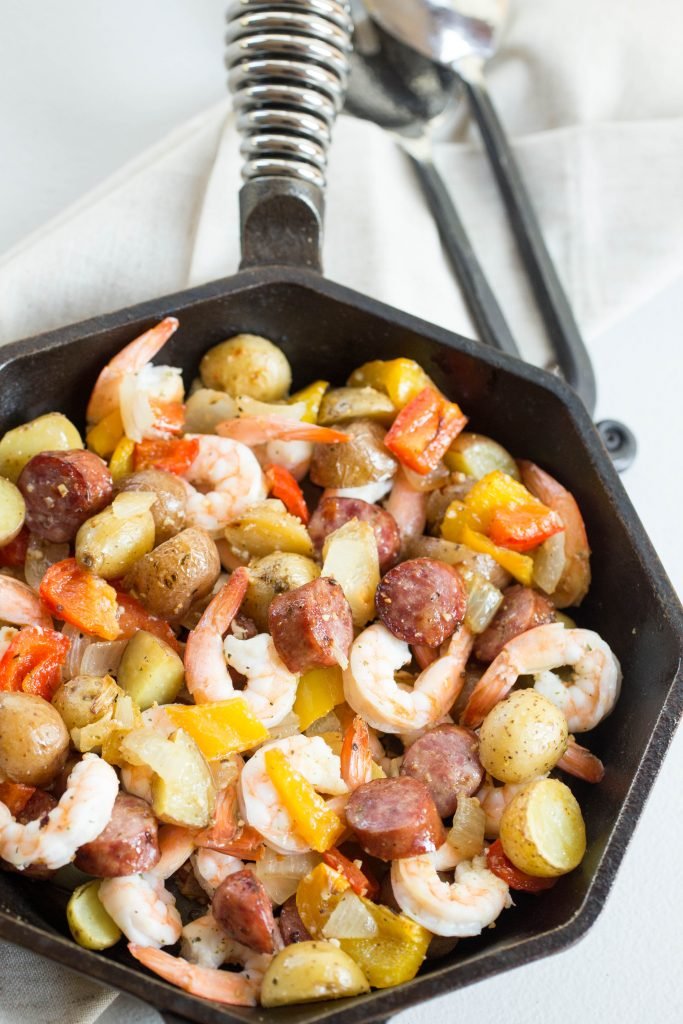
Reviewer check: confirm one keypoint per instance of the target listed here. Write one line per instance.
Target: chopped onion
(350, 919)
(467, 834)
(102, 658)
(281, 873)
(328, 723)
(549, 563)
(278, 887)
(40, 555)
(289, 726)
(79, 644)
(425, 482)
(483, 600)
(132, 503)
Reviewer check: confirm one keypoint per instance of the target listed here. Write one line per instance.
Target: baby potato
(306, 972)
(179, 572)
(339, 405)
(205, 408)
(523, 736)
(110, 543)
(150, 671)
(169, 509)
(12, 511)
(85, 699)
(247, 365)
(351, 559)
(34, 740)
(265, 527)
(50, 433)
(271, 575)
(89, 923)
(361, 460)
(542, 829)
(477, 455)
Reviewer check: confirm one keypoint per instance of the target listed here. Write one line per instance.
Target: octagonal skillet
(326, 331)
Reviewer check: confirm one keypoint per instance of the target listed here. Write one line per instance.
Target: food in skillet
(343, 737)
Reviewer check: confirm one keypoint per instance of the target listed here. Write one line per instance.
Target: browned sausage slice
(312, 625)
(421, 601)
(446, 759)
(332, 513)
(292, 927)
(128, 845)
(395, 818)
(522, 609)
(243, 909)
(62, 490)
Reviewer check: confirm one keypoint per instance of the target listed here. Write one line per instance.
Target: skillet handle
(288, 66)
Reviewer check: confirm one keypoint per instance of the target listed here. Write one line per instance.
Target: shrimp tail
(356, 758)
(252, 430)
(221, 986)
(579, 762)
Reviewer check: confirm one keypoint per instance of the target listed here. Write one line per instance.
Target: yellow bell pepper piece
(401, 379)
(455, 519)
(317, 693)
(519, 566)
(494, 491)
(312, 396)
(391, 956)
(121, 462)
(219, 729)
(320, 827)
(105, 435)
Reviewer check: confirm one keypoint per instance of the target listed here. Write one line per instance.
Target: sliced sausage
(312, 625)
(421, 601)
(522, 609)
(446, 760)
(395, 818)
(332, 513)
(36, 809)
(62, 490)
(292, 927)
(243, 909)
(128, 845)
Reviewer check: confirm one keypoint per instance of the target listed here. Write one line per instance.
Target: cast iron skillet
(326, 331)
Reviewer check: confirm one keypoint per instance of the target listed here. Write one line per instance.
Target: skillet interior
(326, 331)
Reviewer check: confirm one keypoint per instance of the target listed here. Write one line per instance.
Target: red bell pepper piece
(76, 596)
(424, 430)
(14, 553)
(133, 617)
(362, 883)
(174, 456)
(15, 796)
(501, 865)
(282, 485)
(33, 661)
(524, 527)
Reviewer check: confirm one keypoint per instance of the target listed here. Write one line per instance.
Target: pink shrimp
(579, 761)
(21, 606)
(356, 758)
(222, 986)
(408, 507)
(105, 395)
(253, 430)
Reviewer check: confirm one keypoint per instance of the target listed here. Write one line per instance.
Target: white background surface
(84, 87)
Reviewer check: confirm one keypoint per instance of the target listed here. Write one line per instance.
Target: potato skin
(169, 510)
(34, 740)
(177, 573)
(89, 923)
(272, 575)
(52, 432)
(84, 699)
(306, 972)
(109, 545)
(362, 460)
(523, 736)
(247, 364)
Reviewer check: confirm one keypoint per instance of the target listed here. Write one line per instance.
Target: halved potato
(350, 557)
(89, 923)
(12, 511)
(542, 829)
(340, 405)
(306, 972)
(477, 455)
(50, 433)
(267, 526)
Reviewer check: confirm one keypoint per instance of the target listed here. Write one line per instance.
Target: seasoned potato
(350, 557)
(89, 923)
(339, 405)
(50, 433)
(111, 542)
(439, 500)
(12, 511)
(85, 699)
(306, 972)
(267, 526)
(362, 460)
(523, 736)
(477, 455)
(271, 575)
(34, 741)
(247, 365)
(150, 671)
(168, 511)
(183, 792)
(542, 829)
(180, 571)
(206, 408)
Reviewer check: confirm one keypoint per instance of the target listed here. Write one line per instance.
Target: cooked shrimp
(151, 402)
(81, 814)
(408, 507)
(211, 868)
(137, 780)
(294, 456)
(271, 688)
(585, 700)
(204, 942)
(176, 844)
(253, 430)
(371, 690)
(21, 606)
(259, 800)
(576, 575)
(226, 478)
(221, 986)
(579, 762)
(105, 395)
(463, 907)
(356, 758)
(494, 800)
(143, 908)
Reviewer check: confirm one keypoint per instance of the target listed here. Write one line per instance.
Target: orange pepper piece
(320, 827)
(133, 617)
(33, 661)
(282, 485)
(361, 883)
(424, 430)
(524, 527)
(175, 455)
(74, 595)
(15, 796)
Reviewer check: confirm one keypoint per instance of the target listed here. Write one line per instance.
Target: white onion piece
(368, 492)
(132, 503)
(102, 658)
(549, 563)
(328, 723)
(483, 601)
(40, 555)
(466, 836)
(79, 643)
(281, 873)
(426, 482)
(350, 919)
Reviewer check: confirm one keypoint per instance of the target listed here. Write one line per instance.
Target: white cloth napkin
(592, 94)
